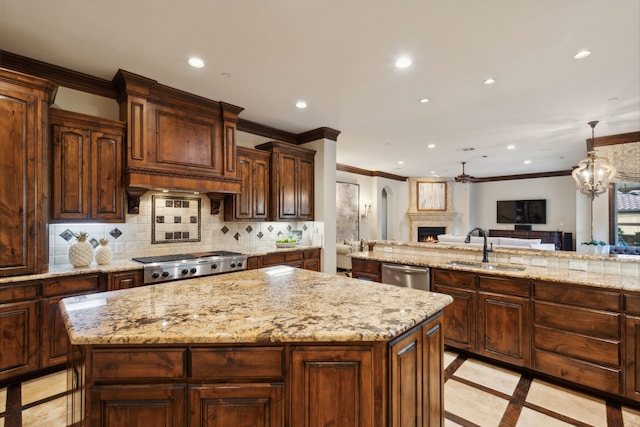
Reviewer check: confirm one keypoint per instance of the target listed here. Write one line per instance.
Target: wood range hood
(175, 141)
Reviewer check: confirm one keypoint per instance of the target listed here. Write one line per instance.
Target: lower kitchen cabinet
(238, 405)
(311, 260)
(460, 321)
(365, 269)
(18, 330)
(124, 280)
(307, 258)
(504, 320)
(138, 405)
(632, 346)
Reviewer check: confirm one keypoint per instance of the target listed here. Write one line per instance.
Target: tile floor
(476, 394)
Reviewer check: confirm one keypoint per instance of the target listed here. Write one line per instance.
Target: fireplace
(430, 234)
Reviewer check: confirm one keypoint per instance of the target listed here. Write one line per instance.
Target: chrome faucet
(485, 248)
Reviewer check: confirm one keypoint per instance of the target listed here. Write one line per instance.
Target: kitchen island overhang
(281, 343)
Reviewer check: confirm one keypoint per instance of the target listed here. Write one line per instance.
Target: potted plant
(594, 247)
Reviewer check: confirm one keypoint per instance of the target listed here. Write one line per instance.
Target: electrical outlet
(539, 261)
(388, 249)
(578, 264)
(516, 260)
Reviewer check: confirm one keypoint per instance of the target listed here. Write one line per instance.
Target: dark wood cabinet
(366, 269)
(554, 237)
(238, 405)
(460, 319)
(632, 346)
(124, 280)
(18, 329)
(292, 181)
(504, 320)
(87, 168)
(254, 262)
(576, 335)
(54, 338)
(24, 172)
(304, 258)
(138, 405)
(253, 201)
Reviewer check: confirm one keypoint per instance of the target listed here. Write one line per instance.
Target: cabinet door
(238, 405)
(305, 189)
(311, 264)
(632, 358)
(18, 338)
(288, 175)
(106, 176)
(125, 280)
(137, 405)
(55, 340)
(365, 269)
(254, 262)
(71, 172)
(504, 324)
(406, 381)
(260, 188)
(243, 201)
(459, 322)
(18, 195)
(332, 386)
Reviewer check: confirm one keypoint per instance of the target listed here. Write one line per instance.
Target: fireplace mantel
(419, 218)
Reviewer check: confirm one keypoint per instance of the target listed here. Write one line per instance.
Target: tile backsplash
(134, 238)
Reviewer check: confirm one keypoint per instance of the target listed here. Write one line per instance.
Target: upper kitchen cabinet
(292, 172)
(87, 168)
(24, 168)
(252, 202)
(175, 140)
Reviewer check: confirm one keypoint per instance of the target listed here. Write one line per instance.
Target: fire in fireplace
(430, 234)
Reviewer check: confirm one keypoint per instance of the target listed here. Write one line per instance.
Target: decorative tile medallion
(94, 242)
(115, 233)
(168, 226)
(270, 228)
(224, 230)
(260, 235)
(67, 235)
(236, 236)
(249, 229)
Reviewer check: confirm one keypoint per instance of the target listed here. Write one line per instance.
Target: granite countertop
(69, 270)
(429, 259)
(275, 304)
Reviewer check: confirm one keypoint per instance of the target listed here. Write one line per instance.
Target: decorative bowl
(285, 245)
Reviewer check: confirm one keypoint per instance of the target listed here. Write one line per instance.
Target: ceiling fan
(463, 177)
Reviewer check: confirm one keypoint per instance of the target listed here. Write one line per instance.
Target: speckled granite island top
(276, 304)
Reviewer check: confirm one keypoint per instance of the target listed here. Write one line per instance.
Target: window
(626, 211)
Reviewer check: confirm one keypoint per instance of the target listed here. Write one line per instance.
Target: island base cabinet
(632, 366)
(157, 405)
(18, 338)
(238, 405)
(332, 387)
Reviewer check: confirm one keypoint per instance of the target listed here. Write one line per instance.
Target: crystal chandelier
(593, 174)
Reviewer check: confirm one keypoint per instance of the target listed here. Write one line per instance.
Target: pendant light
(593, 174)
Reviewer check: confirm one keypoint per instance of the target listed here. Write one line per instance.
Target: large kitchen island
(272, 347)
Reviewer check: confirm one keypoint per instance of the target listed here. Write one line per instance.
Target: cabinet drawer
(583, 296)
(251, 362)
(504, 286)
(294, 256)
(366, 266)
(591, 349)
(273, 259)
(577, 371)
(454, 278)
(312, 253)
(18, 292)
(71, 285)
(575, 319)
(632, 304)
(138, 363)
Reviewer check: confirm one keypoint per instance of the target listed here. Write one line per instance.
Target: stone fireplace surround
(444, 218)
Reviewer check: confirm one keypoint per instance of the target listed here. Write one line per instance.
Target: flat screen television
(522, 211)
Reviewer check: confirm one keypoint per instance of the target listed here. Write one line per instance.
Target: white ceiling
(338, 55)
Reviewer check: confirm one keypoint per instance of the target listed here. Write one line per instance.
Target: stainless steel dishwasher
(406, 276)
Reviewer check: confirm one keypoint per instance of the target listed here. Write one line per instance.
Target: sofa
(497, 242)
(343, 249)
(624, 250)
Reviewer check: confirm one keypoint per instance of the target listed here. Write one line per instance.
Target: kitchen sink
(486, 266)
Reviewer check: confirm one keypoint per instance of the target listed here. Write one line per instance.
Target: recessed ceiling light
(582, 54)
(432, 172)
(196, 62)
(301, 104)
(424, 100)
(526, 162)
(401, 162)
(489, 81)
(431, 146)
(227, 75)
(511, 147)
(403, 62)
